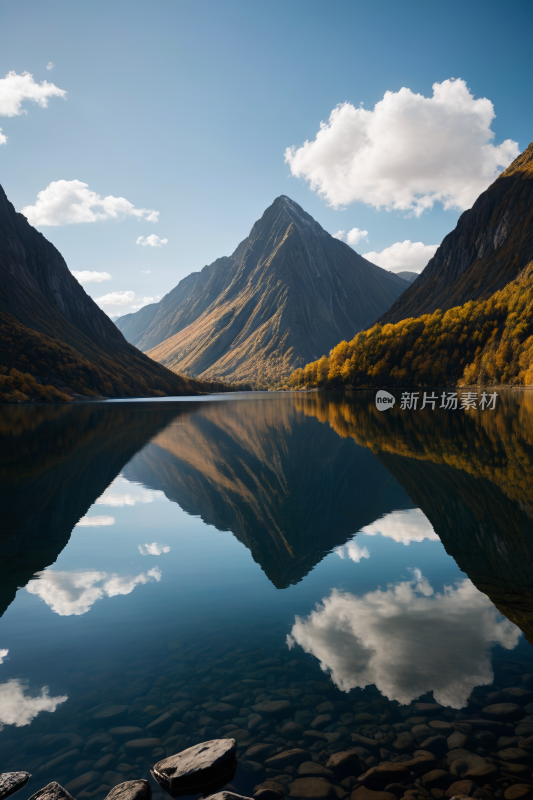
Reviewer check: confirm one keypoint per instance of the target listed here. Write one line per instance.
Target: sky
(145, 139)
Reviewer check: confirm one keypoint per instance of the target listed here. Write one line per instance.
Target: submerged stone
(312, 789)
(131, 790)
(286, 758)
(197, 766)
(53, 791)
(11, 782)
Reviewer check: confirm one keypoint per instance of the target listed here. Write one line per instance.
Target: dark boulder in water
(53, 791)
(131, 790)
(197, 766)
(11, 782)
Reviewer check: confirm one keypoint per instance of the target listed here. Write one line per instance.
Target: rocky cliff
(51, 328)
(492, 243)
(288, 293)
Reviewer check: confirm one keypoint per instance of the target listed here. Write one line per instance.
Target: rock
(315, 735)
(288, 758)
(97, 742)
(461, 788)
(428, 708)
(11, 782)
(514, 754)
(226, 796)
(507, 741)
(292, 729)
(525, 744)
(457, 741)
(503, 711)
(273, 708)
(312, 789)
(517, 695)
(362, 793)
(364, 741)
(403, 742)
(519, 791)
(241, 735)
(142, 744)
(268, 794)
(109, 711)
(233, 699)
(104, 762)
(321, 721)
(344, 762)
(251, 766)
(126, 732)
(326, 707)
(163, 722)
(387, 772)
(397, 789)
(82, 781)
(439, 726)
(435, 744)
(71, 755)
(421, 732)
(112, 778)
(312, 769)
(421, 763)
(197, 766)
(465, 764)
(260, 749)
(436, 779)
(222, 711)
(52, 792)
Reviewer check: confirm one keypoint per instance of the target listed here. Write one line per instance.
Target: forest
(483, 342)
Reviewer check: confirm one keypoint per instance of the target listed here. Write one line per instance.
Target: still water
(167, 568)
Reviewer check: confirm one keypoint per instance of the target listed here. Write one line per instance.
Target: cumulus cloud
(85, 276)
(3, 138)
(145, 271)
(122, 492)
(411, 256)
(50, 65)
(403, 526)
(154, 549)
(351, 237)
(95, 522)
(14, 89)
(125, 301)
(151, 241)
(352, 551)
(399, 640)
(408, 153)
(3, 654)
(74, 593)
(69, 202)
(18, 708)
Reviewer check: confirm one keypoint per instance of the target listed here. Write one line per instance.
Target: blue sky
(187, 108)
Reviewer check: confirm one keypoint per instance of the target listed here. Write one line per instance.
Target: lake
(295, 571)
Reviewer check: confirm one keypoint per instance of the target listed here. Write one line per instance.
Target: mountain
(287, 294)
(286, 486)
(52, 330)
(491, 244)
(408, 276)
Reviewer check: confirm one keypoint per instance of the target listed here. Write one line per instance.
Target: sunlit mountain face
(252, 549)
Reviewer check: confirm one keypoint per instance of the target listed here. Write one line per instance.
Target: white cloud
(153, 549)
(95, 522)
(69, 202)
(399, 640)
(151, 241)
(145, 271)
(85, 276)
(352, 237)
(408, 153)
(126, 301)
(403, 526)
(17, 708)
(50, 65)
(122, 492)
(352, 551)
(3, 138)
(412, 256)
(14, 89)
(74, 593)
(3, 654)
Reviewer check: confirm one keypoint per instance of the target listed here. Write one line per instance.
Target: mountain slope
(287, 293)
(492, 243)
(51, 329)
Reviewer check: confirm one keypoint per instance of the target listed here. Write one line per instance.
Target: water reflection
(69, 593)
(403, 526)
(125, 493)
(407, 640)
(18, 707)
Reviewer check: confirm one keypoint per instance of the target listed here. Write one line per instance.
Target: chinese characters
(450, 401)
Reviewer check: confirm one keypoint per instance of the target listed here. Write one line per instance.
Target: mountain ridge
(289, 289)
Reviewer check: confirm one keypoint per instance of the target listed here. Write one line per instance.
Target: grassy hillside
(486, 342)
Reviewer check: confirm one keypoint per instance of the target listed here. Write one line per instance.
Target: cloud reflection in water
(18, 708)
(407, 639)
(407, 526)
(69, 593)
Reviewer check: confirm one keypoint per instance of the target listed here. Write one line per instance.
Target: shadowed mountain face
(55, 461)
(472, 476)
(51, 329)
(492, 243)
(289, 293)
(287, 487)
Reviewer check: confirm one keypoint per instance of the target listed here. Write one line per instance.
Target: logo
(384, 400)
